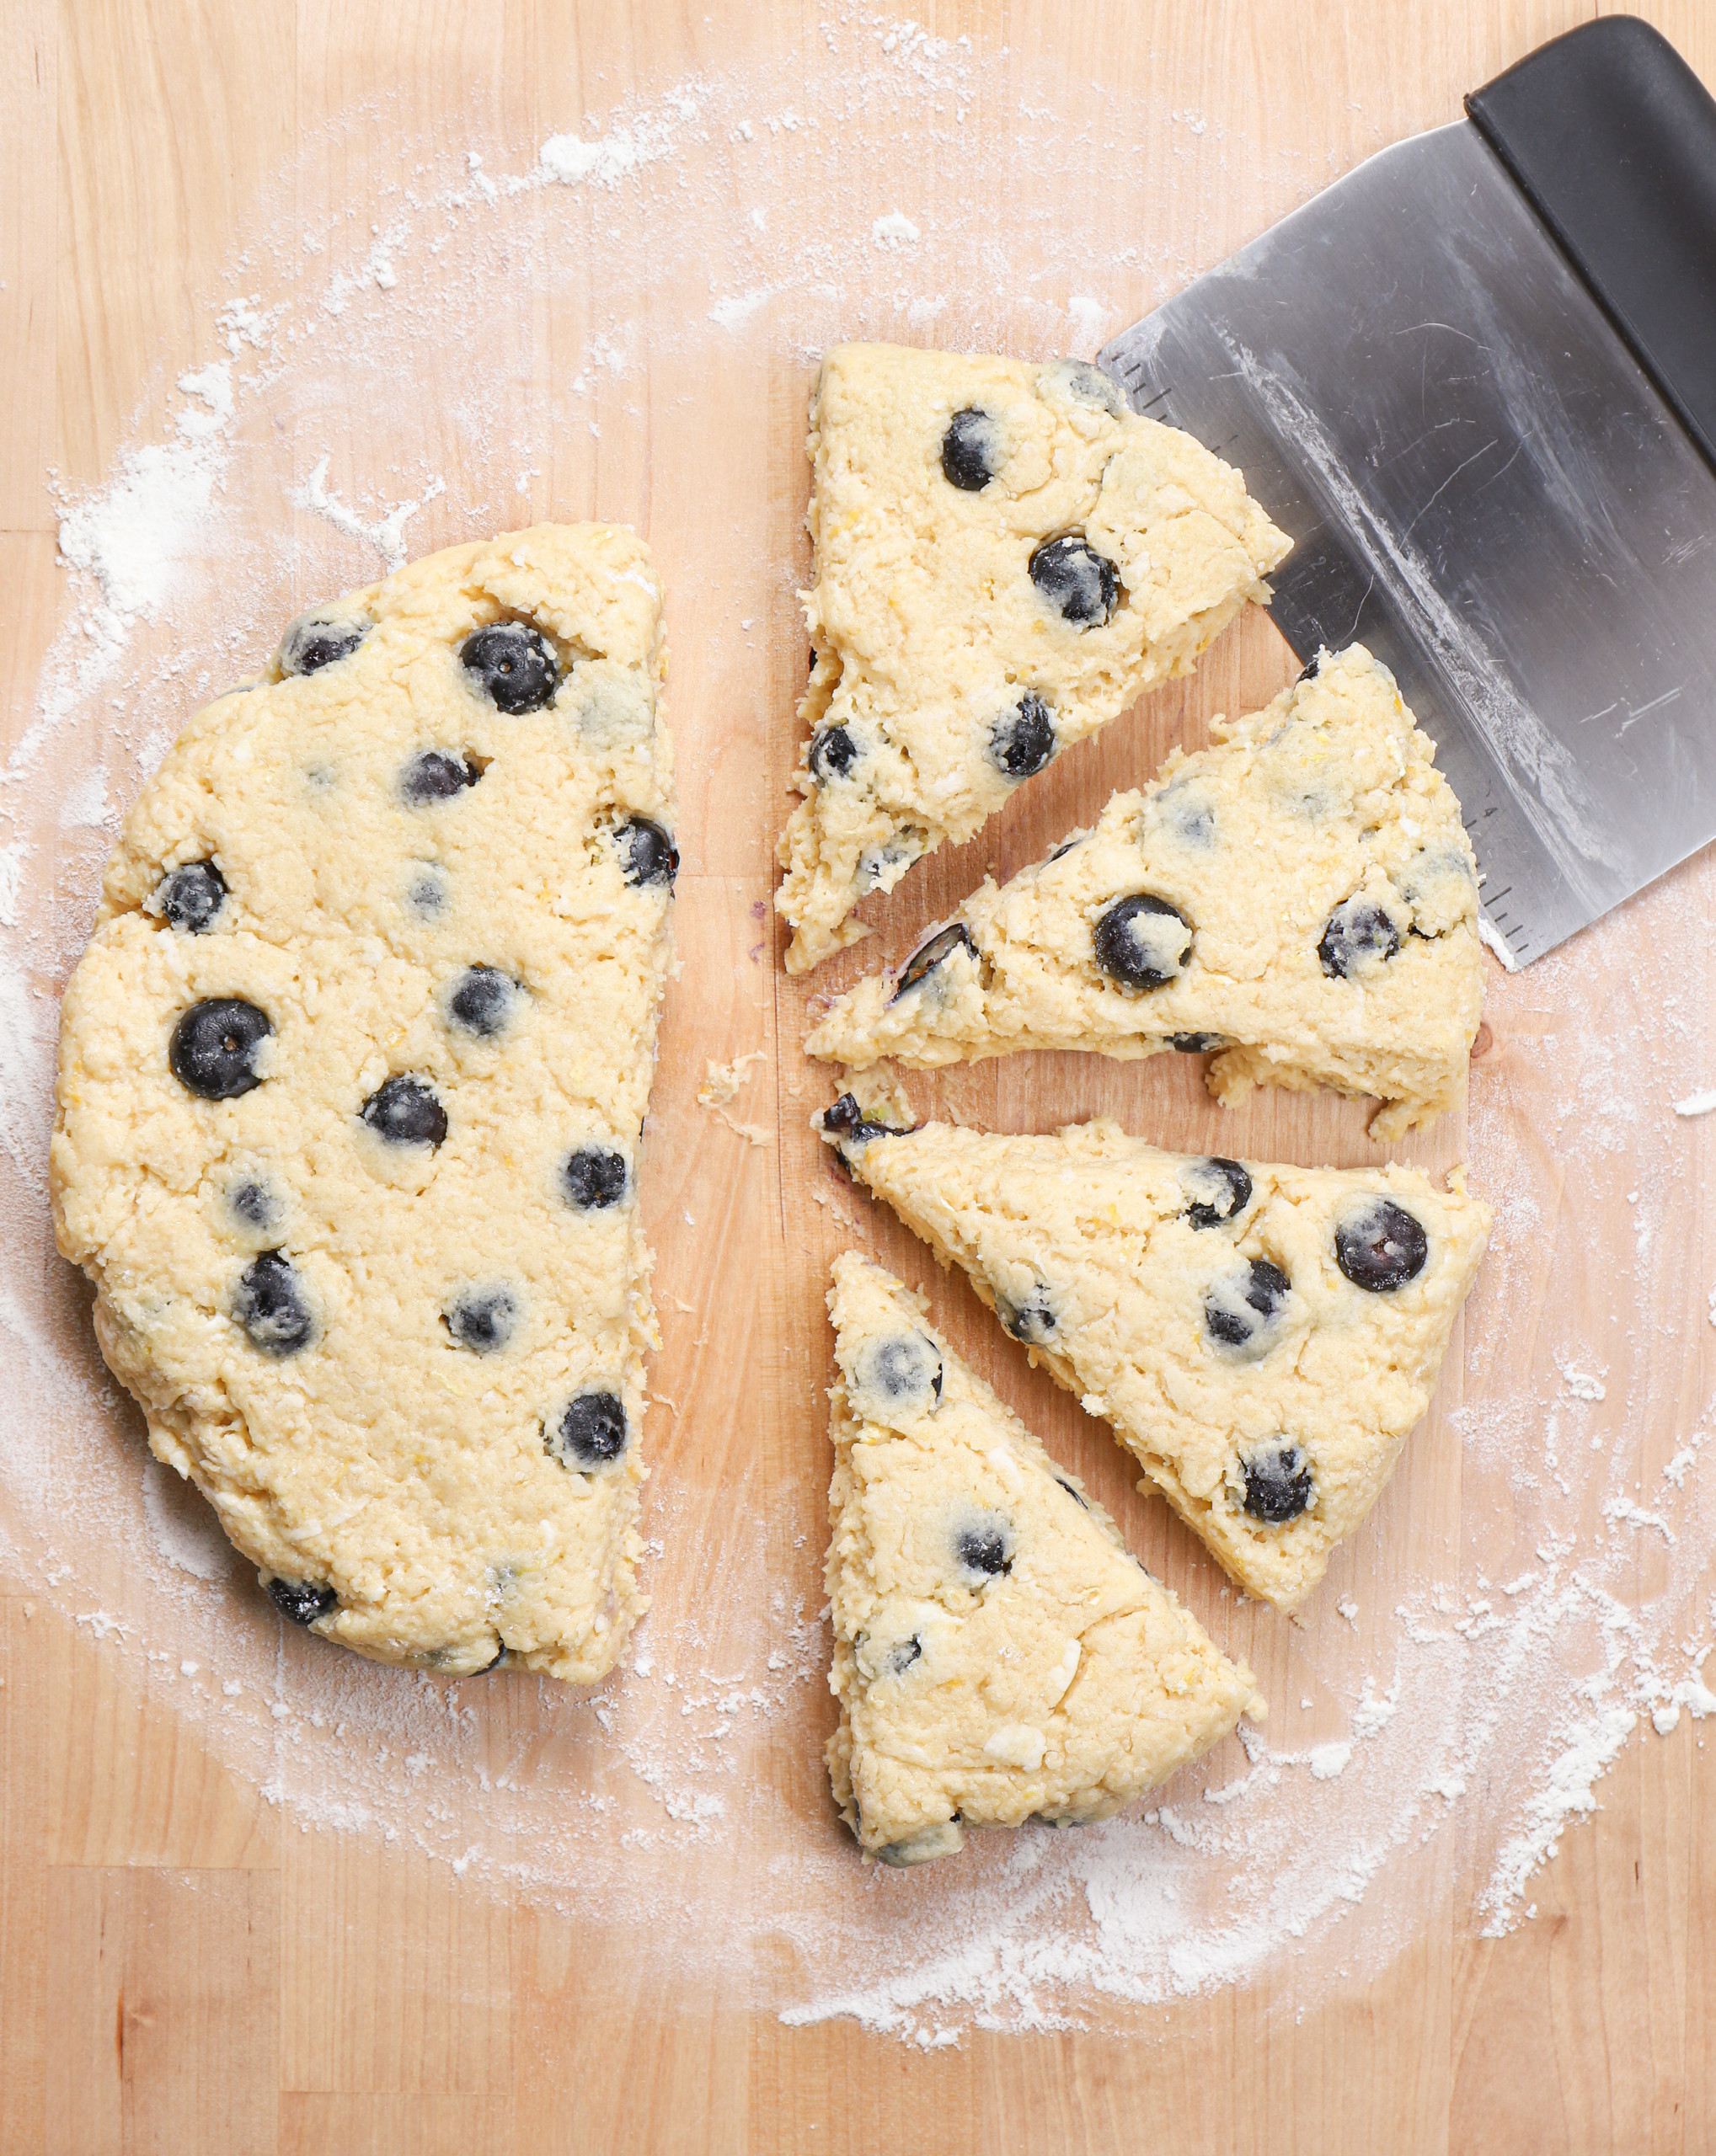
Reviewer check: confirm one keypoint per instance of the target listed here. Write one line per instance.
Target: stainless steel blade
(1482, 486)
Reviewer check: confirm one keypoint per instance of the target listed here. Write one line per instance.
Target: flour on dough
(998, 1654)
(1005, 558)
(352, 1081)
(1262, 1338)
(1301, 900)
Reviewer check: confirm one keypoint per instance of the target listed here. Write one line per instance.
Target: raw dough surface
(1311, 915)
(1204, 1309)
(998, 1653)
(947, 667)
(363, 1345)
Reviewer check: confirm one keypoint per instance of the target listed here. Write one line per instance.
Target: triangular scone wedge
(1302, 898)
(1005, 558)
(1262, 1338)
(352, 1080)
(999, 1655)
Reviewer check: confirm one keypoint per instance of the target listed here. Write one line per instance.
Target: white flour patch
(1696, 1104)
(691, 232)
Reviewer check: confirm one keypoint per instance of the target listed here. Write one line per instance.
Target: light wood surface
(182, 1968)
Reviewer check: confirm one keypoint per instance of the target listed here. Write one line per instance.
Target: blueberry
(1195, 1043)
(1083, 585)
(317, 640)
(1187, 812)
(902, 1371)
(302, 1600)
(1023, 741)
(1309, 670)
(1076, 1496)
(1277, 1482)
(426, 893)
(1379, 1245)
(902, 1655)
(1142, 942)
(833, 752)
(272, 1307)
(253, 1205)
(482, 1001)
(971, 450)
(1031, 1320)
(482, 1318)
(928, 956)
(514, 664)
(647, 854)
(593, 1178)
(404, 1111)
(983, 1549)
(436, 775)
(190, 896)
(1241, 1307)
(1219, 1190)
(215, 1047)
(1359, 931)
(591, 1433)
(847, 1121)
(1065, 847)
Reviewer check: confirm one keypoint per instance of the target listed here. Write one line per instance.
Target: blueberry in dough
(1359, 931)
(901, 1371)
(647, 856)
(426, 893)
(513, 664)
(436, 775)
(1220, 1190)
(833, 752)
(1031, 1320)
(983, 1549)
(971, 450)
(593, 1178)
(191, 895)
(1142, 942)
(1077, 1497)
(215, 1047)
(481, 1002)
(253, 1205)
(928, 956)
(1379, 1245)
(303, 1601)
(1022, 742)
(1277, 1482)
(591, 1434)
(1083, 585)
(901, 1656)
(1241, 1307)
(404, 1111)
(1309, 670)
(317, 639)
(851, 1126)
(482, 1318)
(271, 1306)
(1195, 1043)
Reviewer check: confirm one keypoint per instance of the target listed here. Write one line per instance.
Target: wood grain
(183, 1965)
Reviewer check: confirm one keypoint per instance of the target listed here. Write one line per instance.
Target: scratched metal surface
(1482, 486)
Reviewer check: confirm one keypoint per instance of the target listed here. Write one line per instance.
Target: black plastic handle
(1612, 138)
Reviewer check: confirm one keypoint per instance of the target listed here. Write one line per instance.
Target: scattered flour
(639, 1800)
(1696, 1104)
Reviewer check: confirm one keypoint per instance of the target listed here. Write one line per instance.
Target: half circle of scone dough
(1005, 558)
(1301, 898)
(385, 1302)
(999, 1655)
(1261, 1339)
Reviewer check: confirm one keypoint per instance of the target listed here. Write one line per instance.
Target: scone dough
(1005, 558)
(999, 1655)
(1262, 1338)
(383, 1296)
(1301, 898)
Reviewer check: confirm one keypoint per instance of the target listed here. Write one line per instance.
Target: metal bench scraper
(1475, 380)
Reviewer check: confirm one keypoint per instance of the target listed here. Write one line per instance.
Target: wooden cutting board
(193, 1957)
